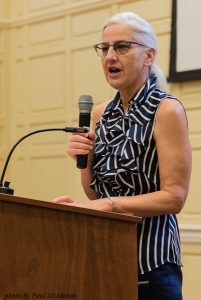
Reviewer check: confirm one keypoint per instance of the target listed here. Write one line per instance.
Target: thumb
(91, 135)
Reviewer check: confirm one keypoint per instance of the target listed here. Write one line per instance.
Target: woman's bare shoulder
(171, 106)
(98, 111)
(170, 116)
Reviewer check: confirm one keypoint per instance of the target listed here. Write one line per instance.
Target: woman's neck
(127, 94)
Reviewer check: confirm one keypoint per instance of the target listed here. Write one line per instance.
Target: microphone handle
(82, 161)
(84, 121)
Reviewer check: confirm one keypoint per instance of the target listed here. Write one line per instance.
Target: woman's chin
(114, 83)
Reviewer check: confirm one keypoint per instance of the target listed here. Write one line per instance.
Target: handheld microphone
(85, 104)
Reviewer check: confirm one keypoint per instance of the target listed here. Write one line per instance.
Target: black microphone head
(85, 104)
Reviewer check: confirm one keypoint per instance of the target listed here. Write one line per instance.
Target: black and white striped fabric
(126, 164)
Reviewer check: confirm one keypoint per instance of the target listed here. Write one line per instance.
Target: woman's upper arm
(173, 148)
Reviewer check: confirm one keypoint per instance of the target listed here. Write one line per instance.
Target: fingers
(80, 144)
(62, 200)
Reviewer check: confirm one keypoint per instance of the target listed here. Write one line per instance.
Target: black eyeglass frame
(107, 46)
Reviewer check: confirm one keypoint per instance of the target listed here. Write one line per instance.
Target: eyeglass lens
(119, 47)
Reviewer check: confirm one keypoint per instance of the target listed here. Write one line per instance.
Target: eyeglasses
(120, 47)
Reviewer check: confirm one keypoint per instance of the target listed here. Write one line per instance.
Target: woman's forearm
(86, 178)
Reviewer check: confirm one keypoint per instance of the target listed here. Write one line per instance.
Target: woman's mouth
(113, 70)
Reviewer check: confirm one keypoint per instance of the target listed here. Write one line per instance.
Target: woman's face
(129, 71)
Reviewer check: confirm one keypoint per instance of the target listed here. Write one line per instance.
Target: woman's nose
(111, 53)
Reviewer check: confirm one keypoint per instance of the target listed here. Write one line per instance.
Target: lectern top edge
(79, 210)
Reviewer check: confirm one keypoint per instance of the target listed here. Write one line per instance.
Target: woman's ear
(150, 56)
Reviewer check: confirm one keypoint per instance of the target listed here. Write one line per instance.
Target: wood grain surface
(50, 251)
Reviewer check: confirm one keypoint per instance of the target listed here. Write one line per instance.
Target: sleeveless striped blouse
(126, 164)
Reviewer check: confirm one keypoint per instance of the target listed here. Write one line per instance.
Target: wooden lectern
(53, 251)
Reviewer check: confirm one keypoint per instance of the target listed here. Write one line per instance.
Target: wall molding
(190, 234)
(45, 14)
(4, 24)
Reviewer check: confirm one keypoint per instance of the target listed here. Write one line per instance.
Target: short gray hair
(145, 35)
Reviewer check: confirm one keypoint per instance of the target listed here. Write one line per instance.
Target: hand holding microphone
(80, 145)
